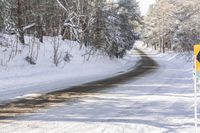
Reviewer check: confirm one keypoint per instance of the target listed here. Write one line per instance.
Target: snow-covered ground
(19, 79)
(158, 102)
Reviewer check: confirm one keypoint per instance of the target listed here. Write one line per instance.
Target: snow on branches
(173, 25)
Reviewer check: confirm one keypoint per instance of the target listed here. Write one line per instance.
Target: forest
(103, 26)
(100, 25)
(172, 25)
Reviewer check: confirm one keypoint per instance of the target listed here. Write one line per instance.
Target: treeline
(101, 24)
(173, 24)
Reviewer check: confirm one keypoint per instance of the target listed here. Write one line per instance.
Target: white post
(195, 95)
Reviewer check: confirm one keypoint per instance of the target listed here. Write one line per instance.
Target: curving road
(30, 105)
(156, 97)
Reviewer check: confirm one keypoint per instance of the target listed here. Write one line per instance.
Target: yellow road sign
(197, 56)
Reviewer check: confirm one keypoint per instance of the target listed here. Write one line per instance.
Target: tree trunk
(163, 44)
(19, 23)
(39, 29)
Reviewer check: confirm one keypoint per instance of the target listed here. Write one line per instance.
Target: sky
(144, 5)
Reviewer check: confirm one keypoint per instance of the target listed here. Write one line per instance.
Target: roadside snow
(19, 79)
(158, 102)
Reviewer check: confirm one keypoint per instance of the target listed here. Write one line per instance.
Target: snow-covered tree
(172, 24)
(108, 27)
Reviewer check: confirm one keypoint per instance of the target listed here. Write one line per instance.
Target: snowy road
(160, 101)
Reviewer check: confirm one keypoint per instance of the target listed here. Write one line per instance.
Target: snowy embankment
(20, 79)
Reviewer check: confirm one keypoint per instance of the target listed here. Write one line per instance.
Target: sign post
(196, 81)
